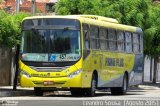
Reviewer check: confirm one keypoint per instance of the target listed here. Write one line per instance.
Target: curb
(151, 84)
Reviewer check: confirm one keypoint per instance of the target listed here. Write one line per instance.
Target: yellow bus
(80, 53)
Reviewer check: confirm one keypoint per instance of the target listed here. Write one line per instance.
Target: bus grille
(49, 69)
(42, 83)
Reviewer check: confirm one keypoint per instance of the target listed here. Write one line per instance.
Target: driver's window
(86, 36)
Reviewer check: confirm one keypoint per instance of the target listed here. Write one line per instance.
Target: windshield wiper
(68, 28)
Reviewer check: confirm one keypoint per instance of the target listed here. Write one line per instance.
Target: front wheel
(120, 90)
(38, 91)
(91, 91)
(77, 91)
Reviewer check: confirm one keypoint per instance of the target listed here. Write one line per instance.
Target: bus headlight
(25, 74)
(75, 73)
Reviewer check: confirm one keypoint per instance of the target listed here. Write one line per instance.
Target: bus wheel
(38, 91)
(77, 91)
(91, 91)
(121, 90)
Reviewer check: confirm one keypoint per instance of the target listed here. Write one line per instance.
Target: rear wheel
(91, 91)
(121, 90)
(38, 91)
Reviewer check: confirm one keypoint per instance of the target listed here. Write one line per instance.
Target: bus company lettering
(91, 17)
(115, 62)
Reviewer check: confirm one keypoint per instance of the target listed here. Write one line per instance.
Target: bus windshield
(50, 45)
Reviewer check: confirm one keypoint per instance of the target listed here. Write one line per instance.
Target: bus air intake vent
(48, 69)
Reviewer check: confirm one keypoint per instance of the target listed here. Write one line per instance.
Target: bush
(10, 28)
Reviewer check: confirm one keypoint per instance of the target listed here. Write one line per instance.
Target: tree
(65, 7)
(131, 12)
(152, 37)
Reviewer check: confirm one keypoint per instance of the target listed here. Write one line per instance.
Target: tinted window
(136, 43)
(103, 38)
(94, 37)
(50, 45)
(120, 41)
(128, 42)
(35, 41)
(86, 36)
(112, 39)
(51, 22)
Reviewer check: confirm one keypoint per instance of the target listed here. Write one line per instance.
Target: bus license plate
(48, 83)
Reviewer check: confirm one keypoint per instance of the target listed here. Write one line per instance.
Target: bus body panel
(109, 76)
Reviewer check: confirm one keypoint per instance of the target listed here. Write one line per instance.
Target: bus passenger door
(103, 70)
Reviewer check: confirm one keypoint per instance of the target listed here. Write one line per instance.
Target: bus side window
(128, 42)
(112, 39)
(86, 36)
(94, 37)
(120, 41)
(103, 38)
(136, 43)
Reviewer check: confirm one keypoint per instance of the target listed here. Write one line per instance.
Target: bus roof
(95, 17)
(94, 20)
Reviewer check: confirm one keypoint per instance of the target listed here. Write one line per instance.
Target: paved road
(143, 96)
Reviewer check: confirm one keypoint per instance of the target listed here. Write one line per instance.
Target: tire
(91, 91)
(120, 90)
(38, 91)
(77, 91)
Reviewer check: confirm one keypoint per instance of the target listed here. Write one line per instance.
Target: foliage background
(10, 28)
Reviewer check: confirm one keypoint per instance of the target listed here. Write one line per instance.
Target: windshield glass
(50, 45)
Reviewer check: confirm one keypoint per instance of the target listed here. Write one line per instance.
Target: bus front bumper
(59, 82)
